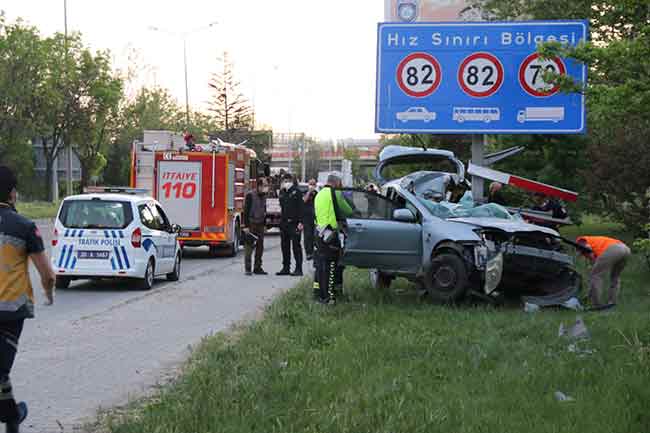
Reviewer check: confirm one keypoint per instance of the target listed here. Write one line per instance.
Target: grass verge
(38, 209)
(389, 362)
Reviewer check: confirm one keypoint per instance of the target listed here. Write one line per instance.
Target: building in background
(430, 10)
(60, 166)
(291, 149)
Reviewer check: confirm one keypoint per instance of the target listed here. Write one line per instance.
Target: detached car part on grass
(450, 246)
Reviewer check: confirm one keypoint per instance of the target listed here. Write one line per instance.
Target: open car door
(381, 234)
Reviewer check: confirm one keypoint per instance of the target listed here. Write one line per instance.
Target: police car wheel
(62, 282)
(147, 281)
(175, 275)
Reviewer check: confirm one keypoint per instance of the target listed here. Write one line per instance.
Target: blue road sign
(478, 77)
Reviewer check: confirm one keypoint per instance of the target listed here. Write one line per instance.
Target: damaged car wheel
(447, 281)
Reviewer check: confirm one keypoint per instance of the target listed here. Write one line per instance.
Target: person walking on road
(254, 227)
(309, 219)
(609, 256)
(328, 212)
(291, 204)
(20, 240)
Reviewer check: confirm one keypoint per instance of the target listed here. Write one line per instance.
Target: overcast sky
(308, 65)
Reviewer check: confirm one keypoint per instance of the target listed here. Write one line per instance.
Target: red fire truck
(202, 187)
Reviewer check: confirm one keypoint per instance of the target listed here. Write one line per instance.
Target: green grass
(387, 361)
(38, 209)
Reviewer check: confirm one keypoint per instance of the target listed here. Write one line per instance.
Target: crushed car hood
(509, 226)
(395, 155)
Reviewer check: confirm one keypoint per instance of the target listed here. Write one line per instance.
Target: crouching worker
(331, 209)
(608, 256)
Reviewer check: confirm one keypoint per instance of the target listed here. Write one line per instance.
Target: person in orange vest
(608, 255)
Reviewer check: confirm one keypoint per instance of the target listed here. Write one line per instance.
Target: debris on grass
(531, 308)
(573, 304)
(578, 331)
(560, 396)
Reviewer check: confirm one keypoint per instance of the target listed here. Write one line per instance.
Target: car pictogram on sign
(416, 113)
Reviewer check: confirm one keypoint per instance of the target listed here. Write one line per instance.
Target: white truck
(540, 114)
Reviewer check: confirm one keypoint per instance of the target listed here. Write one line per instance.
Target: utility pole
(187, 97)
(479, 143)
(68, 145)
(304, 158)
(184, 36)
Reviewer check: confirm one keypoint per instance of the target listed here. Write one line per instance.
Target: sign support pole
(479, 142)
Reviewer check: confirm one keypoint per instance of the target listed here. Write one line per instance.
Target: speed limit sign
(480, 75)
(419, 75)
(531, 74)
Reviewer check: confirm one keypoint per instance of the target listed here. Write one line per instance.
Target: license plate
(93, 255)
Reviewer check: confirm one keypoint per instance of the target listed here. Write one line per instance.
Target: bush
(643, 245)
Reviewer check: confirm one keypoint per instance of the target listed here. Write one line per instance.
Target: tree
(231, 109)
(615, 172)
(22, 62)
(152, 108)
(97, 123)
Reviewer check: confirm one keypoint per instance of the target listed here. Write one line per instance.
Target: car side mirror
(404, 215)
(176, 228)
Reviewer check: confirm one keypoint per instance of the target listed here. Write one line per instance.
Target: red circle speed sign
(480, 75)
(531, 74)
(419, 75)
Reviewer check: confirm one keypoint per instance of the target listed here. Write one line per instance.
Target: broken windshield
(464, 208)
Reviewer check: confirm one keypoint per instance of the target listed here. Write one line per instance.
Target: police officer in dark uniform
(291, 227)
(20, 241)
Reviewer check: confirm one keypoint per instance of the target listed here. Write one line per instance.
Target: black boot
(14, 426)
(284, 271)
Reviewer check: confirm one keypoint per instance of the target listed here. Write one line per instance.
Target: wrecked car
(425, 227)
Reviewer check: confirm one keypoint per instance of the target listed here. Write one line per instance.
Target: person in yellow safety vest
(327, 270)
(608, 255)
(20, 240)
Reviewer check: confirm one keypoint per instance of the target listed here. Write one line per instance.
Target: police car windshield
(95, 214)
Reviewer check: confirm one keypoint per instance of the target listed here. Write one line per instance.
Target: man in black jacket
(254, 227)
(291, 226)
(309, 219)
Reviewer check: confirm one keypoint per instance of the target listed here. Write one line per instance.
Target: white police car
(113, 232)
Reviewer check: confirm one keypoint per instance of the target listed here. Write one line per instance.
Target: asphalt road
(103, 344)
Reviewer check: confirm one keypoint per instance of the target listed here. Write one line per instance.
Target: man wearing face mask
(255, 224)
(20, 241)
(291, 227)
(309, 219)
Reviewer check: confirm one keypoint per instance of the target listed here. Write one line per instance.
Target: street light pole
(68, 145)
(187, 97)
(184, 36)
